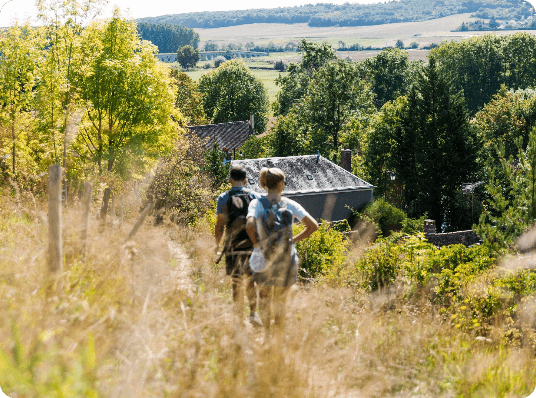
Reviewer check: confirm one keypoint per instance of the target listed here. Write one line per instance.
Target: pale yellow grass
(155, 318)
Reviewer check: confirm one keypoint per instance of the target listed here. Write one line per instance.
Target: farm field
(424, 33)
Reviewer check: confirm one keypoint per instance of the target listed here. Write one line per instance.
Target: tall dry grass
(155, 318)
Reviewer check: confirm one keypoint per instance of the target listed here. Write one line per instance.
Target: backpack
(276, 235)
(237, 211)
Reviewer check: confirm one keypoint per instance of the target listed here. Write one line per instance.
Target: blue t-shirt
(221, 205)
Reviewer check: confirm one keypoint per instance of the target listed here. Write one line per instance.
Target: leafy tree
(294, 83)
(187, 56)
(127, 93)
(390, 74)
(231, 93)
(216, 166)
(219, 60)
(399, 44)
(211, 46)
(19, 47)
(511, 206)
(288, 136)
(425, 139)
(189, 100)
(507, 118)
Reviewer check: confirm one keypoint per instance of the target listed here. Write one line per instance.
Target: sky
(24, 9)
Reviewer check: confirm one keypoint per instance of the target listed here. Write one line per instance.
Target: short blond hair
(271, 177)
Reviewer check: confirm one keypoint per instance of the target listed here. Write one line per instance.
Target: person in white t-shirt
(275, 267)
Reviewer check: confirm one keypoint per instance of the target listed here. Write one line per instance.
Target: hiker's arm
(218, 229)
(310, 226)
(250, 229)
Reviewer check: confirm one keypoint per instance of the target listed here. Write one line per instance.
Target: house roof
(304, 175)
(227, 135)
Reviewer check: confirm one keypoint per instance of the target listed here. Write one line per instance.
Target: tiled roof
(228, 135)
(304, 174)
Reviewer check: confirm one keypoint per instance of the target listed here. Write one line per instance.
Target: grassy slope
(140, 320)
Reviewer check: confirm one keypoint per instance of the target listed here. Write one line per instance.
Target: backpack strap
(265, 202)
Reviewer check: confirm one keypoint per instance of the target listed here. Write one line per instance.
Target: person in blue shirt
(231, 216)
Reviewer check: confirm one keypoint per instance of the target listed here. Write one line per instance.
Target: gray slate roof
(304, 174)
(228, 135)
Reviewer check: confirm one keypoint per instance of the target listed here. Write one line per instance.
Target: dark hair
(238, 173)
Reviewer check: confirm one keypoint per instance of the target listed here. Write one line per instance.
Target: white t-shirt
(256, 261)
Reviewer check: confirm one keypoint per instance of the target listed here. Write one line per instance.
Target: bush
(219, 60)
(206, 66)
(387, 217)
(280, 66)
(323, 250)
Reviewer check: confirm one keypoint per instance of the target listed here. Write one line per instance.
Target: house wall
(334, 206)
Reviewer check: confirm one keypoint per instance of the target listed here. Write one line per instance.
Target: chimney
(429, 227)
(346, 159)
(252, 122)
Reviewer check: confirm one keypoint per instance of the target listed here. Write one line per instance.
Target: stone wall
(467, 238)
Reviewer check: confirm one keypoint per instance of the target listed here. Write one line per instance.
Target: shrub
(280, 66)
(387, 217)
(206, 66)
(219, 60)
(323, 250)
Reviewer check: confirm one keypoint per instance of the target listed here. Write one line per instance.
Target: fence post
(141, 218)
(122, 204)
(55, 252)
(86, 207)
(104, 208)
(112, 212)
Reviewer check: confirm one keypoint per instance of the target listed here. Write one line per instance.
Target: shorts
(283, 276)
(237, 265)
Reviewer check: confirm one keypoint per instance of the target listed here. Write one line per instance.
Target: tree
(390, 74)
(130, 117)
(294, 83)
(168, 37)
(189, 100)
(187, 56)
(18, 69)
(426, 140)
(232, 93)
(399, 44)
(511, 206)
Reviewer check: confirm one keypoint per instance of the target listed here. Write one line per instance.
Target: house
(326, 190)
(229, 136)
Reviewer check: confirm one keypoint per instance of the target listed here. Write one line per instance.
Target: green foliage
(129, 100)
(168, 38)
(480, 65)
(219, 60)
(280, 65)
(504, 120)
(256, 147)
(399, 44)
(216, 166)
(324, 250)
(511, 206)
(231, 93)
(387, 217)
(351, 14)
(187, 56)
(295, 83)
(189, 100)
(425, 139)
(390, 74)
(412, 226)
(20, 49)
(182, 185)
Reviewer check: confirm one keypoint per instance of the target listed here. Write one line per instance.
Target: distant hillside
(323, 14)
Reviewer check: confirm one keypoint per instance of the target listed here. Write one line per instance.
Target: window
(251, 181)
(309, 177)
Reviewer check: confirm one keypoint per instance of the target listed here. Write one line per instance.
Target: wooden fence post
(122, 204)
(86, 210)
(55, 252)
(112, 212)
(141, 218)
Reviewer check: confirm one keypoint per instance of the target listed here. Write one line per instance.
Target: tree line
(325, 14)
(168, 37)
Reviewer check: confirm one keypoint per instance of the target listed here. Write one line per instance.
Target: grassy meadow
(154, 317)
